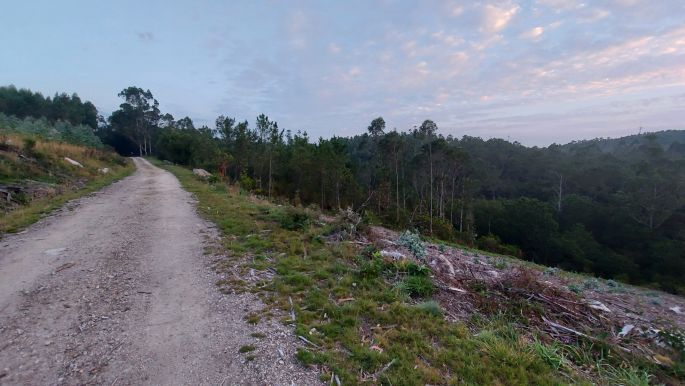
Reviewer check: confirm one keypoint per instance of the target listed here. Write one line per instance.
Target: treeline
(584, 206)
(23, 103)
(619, 215)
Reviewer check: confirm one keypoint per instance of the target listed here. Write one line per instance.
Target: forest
(610, 207)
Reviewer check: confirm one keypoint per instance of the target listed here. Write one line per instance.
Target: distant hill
(671, 141)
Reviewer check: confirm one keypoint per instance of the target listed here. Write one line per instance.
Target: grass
(369, 319)
(44, 163)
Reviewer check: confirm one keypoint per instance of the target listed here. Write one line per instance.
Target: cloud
(334, 48)
(533, 34)
(447, 39)
(496, 17)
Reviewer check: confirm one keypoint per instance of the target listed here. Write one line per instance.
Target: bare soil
(116, 288)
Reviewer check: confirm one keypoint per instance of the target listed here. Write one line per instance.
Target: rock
(394, 254)
(626, 330)
(677, 310)
(202, 173)
(104, 170)
(71, 161)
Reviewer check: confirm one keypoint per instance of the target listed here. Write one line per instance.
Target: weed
(591, 284)
(430, 307)
(550, 353)
(29, 145)
(293, 218)
(416, 286)
(625, 376)
(575, 288)
(252, 318)
(674, 338)
(246, 348)
(258, 335)
(500, 263)
(412, 241)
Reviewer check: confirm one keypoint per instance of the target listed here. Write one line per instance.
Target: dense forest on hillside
(23, 103)
(615, 208)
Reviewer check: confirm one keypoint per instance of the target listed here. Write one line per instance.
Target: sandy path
(116, 289)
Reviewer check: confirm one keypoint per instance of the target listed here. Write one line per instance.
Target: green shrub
(245, 181)
(430, 307)
(371, 268)
(416, 286)
(412, 241)
(492, 243)
(29, 145)
(295, 219)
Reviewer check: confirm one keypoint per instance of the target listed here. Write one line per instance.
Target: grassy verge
(38, 176)
(364, 318)
(26, 215)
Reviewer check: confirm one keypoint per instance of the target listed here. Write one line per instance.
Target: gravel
(114, 288)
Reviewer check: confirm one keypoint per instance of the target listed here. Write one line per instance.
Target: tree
(377, 127)
(137, 117)
(428, 129)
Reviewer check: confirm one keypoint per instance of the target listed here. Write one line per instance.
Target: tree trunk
(454, 178)
(461, 209)
(397, 192)
(430, 160)
(269, 175)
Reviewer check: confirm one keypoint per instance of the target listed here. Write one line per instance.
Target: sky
(534, 71)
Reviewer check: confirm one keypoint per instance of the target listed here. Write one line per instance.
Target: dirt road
(115, 289)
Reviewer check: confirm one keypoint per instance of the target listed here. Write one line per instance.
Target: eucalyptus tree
(137, 117)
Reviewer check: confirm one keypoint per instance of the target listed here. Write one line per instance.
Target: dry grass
(41, 179)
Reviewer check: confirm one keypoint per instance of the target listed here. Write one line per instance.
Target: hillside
(385, 307)
(39, 175)
(670, 141)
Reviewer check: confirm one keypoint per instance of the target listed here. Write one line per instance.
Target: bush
(430, 307)
(29, 145)
(295, 219)
(492, 243)
(442, 229)
(412, 241)
(416, 286)
(348, 224)
(246, 182)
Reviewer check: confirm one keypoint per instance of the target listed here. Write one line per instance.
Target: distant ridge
(671, 141)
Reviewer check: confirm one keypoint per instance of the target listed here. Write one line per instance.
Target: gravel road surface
(115, 289)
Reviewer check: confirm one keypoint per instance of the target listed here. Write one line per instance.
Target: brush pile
(548, 303)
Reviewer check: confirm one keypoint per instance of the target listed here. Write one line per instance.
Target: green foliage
(492, 243)
(29, 144)
(416, 286)
(501, 196)
(430, 307)
(24, 103)
(412, 241)
(42, 128)
(674, 338)
(44, 179)
(293, 218)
